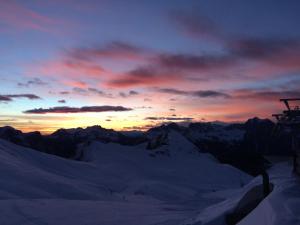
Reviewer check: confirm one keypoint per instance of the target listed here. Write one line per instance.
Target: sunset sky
(133, 64)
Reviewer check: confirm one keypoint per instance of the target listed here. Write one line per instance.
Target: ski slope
(114, 184)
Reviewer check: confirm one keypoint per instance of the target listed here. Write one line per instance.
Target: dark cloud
(172, 68)
(99, 92)
(208, 93)
(263, 48)
(34, 81)
(91, 91)
(11, 97)
(193, 62)
(64, 92)
(81, 91)
(142, 76)
(133, 93)
(192, 22)
(172, 91)
(200, 93)
(28, 96)
(122, 94)
(96, 91)
(4, 98)
(62, 101)
(116, 50)
(85, 109)
(166, 68)
(143, 72)
(265, 94)
(130, 93)
(280, 52)
(124, 82)
(169, 118)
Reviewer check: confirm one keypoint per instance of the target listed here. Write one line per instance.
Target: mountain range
(242, 145)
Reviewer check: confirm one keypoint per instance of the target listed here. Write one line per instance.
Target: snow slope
(115, 185)
(280, 207)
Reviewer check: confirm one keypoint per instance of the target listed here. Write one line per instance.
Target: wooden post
(296, 159)
(266, 183)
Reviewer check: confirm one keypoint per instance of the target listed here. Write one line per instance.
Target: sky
(136, 64)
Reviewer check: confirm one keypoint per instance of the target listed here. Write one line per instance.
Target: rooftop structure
(289, 120)
(290, 116)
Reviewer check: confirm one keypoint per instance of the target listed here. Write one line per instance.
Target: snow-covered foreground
(171, 185)
(116, 185)
(280, 207)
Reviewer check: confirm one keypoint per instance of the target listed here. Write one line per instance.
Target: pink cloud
(68, 69)
(142, 77)
(245, 60)
(238, 110)
(76, 84)
(17, 15)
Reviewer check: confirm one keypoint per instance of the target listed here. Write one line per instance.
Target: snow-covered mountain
(233, 144)
(64, 142)
(113, 184)
(255, 135)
